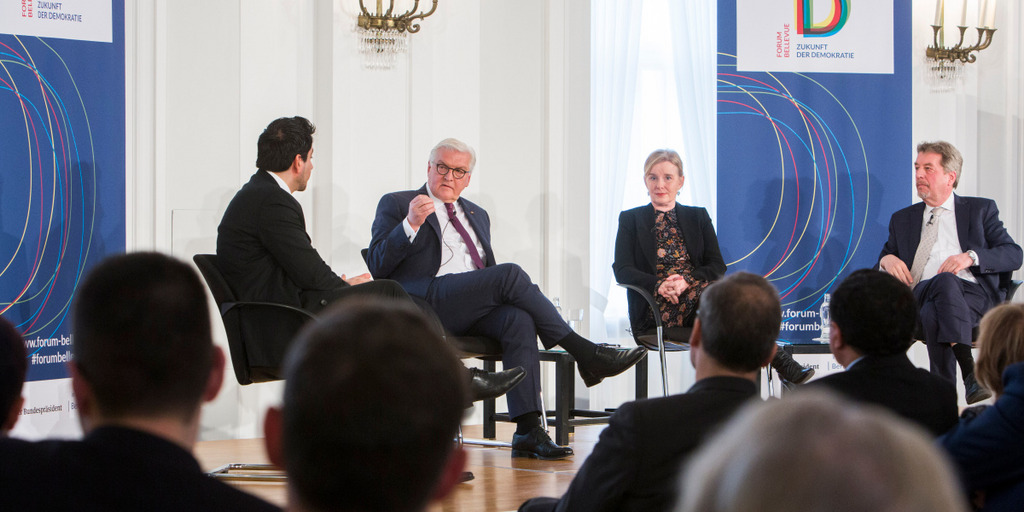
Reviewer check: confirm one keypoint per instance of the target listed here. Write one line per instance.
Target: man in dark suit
(873, 318)
(438, 246)
(144, 362)
(953, 252)
(386, 447)
(635, 464)
(266, 255)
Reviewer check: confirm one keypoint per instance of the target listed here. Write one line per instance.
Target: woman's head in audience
(818, 452)
(663, 176)
(1000, 344)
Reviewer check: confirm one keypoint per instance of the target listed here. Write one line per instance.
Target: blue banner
(62, 177)
(810, 164)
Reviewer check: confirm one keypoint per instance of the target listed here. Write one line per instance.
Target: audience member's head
(1000, 344)
(817, 452)
(739, 318)
(372, 403)
(143, 347)
(284, 138)
(873, 313)
(13, 366)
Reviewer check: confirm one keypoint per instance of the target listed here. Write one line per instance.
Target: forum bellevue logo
(830, 26)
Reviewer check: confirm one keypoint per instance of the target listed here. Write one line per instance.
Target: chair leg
(490, 430)
(664, 366)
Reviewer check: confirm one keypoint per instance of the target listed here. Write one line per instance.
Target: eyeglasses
(457, 173)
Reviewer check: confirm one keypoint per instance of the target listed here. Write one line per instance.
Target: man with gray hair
(954, 253)
(438, 246)
(633, 466)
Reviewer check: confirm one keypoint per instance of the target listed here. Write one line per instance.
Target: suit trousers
(501, 302)
(949, 309)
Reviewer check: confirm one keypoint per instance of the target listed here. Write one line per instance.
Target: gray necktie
(929, 235)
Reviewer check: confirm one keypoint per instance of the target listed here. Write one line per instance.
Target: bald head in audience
(817, 452)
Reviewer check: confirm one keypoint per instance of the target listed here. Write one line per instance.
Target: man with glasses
(438, 246)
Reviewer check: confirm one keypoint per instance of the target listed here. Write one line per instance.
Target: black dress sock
(579, 347)
(526, 422)
(964, 358)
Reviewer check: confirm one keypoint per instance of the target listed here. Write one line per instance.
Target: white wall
(510, 78)
(205, 77)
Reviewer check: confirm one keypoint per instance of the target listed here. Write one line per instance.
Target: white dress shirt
(947, 244)
(455, 256)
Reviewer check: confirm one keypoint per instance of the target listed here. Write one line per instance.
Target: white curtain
(615, 45)
(695, 44)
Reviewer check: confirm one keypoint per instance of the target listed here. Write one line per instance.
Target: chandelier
(945, 64)
(382, 36)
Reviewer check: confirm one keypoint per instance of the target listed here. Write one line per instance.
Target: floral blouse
(674, 259)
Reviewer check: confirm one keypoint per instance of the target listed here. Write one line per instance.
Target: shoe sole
(975, 398)
(806, 377)
(533, 455)
(593, 381)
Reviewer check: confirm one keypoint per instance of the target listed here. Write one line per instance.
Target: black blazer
(636, 252)
(113, 468)
(415, 264)
(264, 251)
(895, 383)
(636, 462)
(978, 228)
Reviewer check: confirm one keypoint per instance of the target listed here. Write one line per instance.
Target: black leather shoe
(974, 391)
(537, 445)
(484, 385)
(789, 369)
(609, 361)
(466, 476)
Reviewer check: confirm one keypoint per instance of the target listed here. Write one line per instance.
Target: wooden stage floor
(501, 484)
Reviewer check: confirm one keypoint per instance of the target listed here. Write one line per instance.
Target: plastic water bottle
(825, 318)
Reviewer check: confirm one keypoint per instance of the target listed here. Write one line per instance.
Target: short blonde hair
(663, 155)
(819, 452)
(1000, 344)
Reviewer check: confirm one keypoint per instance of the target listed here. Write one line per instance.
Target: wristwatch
(974, 257)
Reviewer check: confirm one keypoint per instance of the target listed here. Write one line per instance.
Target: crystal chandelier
(945, 64)
(382, 36)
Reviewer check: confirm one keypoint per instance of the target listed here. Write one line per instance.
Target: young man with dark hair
(13, 367)
(372, 402)
(873, 319)
(144, 362)
(634, 465)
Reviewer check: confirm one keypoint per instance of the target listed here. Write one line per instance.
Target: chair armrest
(646, 295)
(228, 306)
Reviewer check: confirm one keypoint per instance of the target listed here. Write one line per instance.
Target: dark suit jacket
(895, 383)
(635, 464)
(979, 229)
(988, 448)
(414, 264)
(112, 468)
(264, 251)
(636, 252)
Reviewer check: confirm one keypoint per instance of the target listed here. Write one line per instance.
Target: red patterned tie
(465, 235)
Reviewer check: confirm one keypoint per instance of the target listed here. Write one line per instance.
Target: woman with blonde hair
(988, 443)
(672, 251)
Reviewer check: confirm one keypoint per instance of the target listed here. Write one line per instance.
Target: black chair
(659, 338)
(259, 334)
